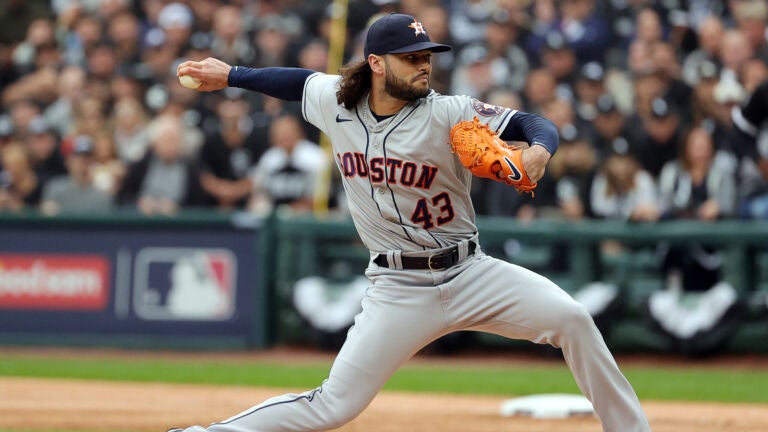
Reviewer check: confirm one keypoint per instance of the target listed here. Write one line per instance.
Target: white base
(548, 406)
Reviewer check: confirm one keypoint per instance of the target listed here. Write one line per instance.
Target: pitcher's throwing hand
(211, 72)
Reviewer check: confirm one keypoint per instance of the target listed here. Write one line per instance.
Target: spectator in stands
(21, 113)
(719, 102)
(75, 192)
(19, 185)
(589, 87)
(189, 107)
(609, 128)
(660, 139)
(124, 36)
(392, 6)
(710, 36)
(572, 173)
(751, 17)
(287, 174)
(80, 35)
(273, 36)
(131, 135)
(176, 21)
(44, 151)
(542, 20)
(655, 73)
(503, 40)
(474, 72)
(703, 105)
(205, 12)
(16, 17)
(112, 51)
(561, 113)
(735, 51)
(648, 26)
(560, 59)
(750, 125)
(265, 109)
(123, 87)
(540, 89)
(469, 18)
(157, 58)
(583, 28)
(753, 73)
(675, 90)
(697, 185)
(70, 86)
(90, 116)
(313, 55)
(694, 187)
(38, 87)
(150, 11)
(640, 62)
(228, 155)
(230, 42)
(726, 94)
(622, 190)
(6, 130)
(164, 180)
(40, 36)
(107, 169)
(8, 73)
(102, 63)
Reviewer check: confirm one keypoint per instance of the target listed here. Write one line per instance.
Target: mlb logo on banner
(184, 284)
(54, 282)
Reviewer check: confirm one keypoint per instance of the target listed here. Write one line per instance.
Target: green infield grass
(659, 383)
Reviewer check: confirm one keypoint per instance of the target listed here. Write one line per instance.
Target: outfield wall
(209, 280)
(127, 280)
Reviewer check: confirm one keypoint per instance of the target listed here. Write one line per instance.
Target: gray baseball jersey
(409, 198)
(406, 189)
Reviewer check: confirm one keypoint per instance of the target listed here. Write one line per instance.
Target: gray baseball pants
(404, 310)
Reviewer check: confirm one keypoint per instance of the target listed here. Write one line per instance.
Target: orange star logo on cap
(418, 28)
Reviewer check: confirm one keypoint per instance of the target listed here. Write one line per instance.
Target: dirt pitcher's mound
(47, 404)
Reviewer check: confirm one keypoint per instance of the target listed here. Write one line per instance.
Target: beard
(401, 89)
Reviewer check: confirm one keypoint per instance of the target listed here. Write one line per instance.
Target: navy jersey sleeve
(280, 82)
(533, 129)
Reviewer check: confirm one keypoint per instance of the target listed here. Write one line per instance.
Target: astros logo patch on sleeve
(486, 109)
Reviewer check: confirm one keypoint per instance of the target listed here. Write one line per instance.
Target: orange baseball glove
(486, 155)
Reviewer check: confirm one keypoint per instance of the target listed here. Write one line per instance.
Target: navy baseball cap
(397, 34)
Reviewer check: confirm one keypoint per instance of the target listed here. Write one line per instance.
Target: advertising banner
(145, 282)
(51, 281)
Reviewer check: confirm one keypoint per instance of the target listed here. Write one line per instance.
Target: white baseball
(189, 81)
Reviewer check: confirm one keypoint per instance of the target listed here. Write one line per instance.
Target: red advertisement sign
(55, 282)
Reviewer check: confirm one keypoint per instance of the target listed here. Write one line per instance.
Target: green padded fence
(570, 253)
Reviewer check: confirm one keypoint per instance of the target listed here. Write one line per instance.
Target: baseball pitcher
(406, 156)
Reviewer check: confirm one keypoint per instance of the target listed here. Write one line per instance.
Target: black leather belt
(438, 261)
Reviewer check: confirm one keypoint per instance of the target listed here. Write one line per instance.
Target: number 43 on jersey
(437, 210)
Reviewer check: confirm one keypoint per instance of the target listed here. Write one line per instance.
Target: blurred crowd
(92, 117)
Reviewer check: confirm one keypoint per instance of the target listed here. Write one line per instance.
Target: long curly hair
(355, 83)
